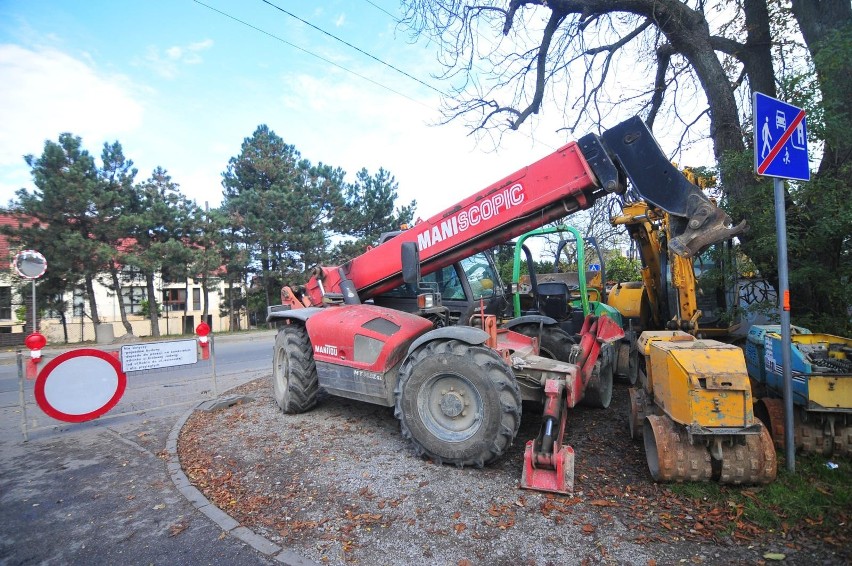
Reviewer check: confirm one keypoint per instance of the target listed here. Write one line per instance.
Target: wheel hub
(450, 407)
(452, 403)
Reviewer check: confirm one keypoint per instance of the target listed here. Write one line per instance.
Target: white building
(181, 308)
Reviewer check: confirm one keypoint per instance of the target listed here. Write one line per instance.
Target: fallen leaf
(588, 529)
(774, 556)
(160, 506)
(460, 527)
(177, 529)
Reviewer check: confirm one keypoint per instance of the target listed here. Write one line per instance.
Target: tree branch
(514, 5)
(664, 55)
(621, 42)
(541, 68)
(729, 46)
(689, 125)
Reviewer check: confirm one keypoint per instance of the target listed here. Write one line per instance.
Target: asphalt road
(101, 492)
(248, 353)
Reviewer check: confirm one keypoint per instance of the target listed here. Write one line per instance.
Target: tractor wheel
(752, 462)
(458, 404)
(627, 362)
(770, 412)
(598, 391)
(670, 455)
(294, 373)
(843, 440)
(633, 365)
(636, 412)
(553, 342)
(810, 436)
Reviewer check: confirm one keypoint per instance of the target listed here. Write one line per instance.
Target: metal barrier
(145, 390)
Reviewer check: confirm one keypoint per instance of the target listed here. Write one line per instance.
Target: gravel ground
(339, 485)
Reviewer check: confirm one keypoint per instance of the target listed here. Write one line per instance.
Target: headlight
(426, 301)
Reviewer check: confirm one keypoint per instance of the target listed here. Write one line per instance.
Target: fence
(145, 390)
(171, 324)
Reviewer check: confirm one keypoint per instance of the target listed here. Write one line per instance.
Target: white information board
(153, 355)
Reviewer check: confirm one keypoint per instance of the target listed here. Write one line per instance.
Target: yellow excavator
(690, 396)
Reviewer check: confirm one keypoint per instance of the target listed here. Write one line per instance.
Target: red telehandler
(457, 389)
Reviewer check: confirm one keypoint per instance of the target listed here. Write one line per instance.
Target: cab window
(446, 279)
(480, 275)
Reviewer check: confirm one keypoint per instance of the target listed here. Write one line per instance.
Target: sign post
(781, 152)
(30, 264)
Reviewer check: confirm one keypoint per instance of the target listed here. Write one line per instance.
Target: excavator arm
(696, 222)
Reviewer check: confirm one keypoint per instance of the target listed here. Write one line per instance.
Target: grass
(813, 495)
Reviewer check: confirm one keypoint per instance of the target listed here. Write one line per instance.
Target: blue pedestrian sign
(780, 139)
(595, 267)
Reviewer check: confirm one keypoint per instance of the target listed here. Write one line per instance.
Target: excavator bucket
(548, 463)
(559, 479)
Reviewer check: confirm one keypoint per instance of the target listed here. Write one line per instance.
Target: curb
(227, 523)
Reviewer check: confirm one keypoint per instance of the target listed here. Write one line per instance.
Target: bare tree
(594, 224)
(660, 58)
(688, 67)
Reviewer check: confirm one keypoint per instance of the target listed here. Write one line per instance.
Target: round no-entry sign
(80, 385)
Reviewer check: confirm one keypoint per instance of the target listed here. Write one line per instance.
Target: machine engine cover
(702, 382)
(358, 348)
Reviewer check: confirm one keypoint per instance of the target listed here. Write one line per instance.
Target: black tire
(554, 343)
(633, 365)
(598, 391)
(458, 404)
(294, 373)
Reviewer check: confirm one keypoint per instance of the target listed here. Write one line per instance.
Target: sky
(181, 84)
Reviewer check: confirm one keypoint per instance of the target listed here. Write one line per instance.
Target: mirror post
(35, 328)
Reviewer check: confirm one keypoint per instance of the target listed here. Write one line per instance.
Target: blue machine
(821, 368)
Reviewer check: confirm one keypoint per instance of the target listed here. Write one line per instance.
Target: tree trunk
(93, 304)
(205, 291)
(116, 286)
(64, 322)
(758, 59)
(152, 305)
(820, 21)
(234, 323)
(689, 35)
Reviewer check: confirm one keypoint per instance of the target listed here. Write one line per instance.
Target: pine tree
(119, 203)
(368, 212)
(160, 234)
(282, 206)
(59, 216)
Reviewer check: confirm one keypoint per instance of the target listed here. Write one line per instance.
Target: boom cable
(311, 53)
(358, 49)
(342, 67)
(377, 7)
